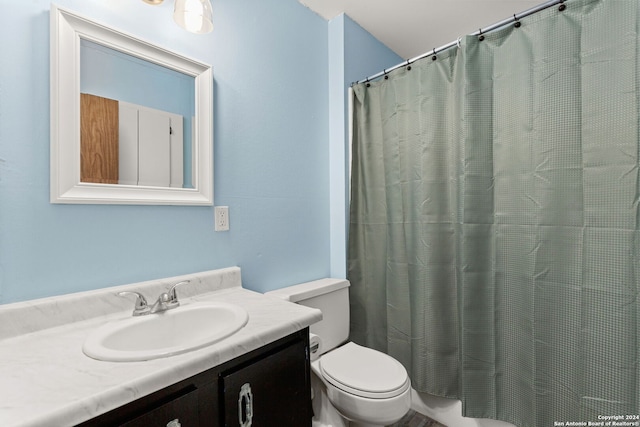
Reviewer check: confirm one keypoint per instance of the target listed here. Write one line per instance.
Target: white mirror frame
(67, 28)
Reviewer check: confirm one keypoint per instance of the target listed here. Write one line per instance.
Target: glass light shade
(194, 15)
(153, 2)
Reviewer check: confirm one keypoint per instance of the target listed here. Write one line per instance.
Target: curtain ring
(384, 71)
(517, 22)
(368, 84)
(480, 36)
(458, 42)
(434, 57)
(562, 7)
(408, 65)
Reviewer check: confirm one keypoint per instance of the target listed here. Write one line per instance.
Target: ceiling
(413, 27)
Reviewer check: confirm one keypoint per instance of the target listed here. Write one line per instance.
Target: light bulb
(193, 15)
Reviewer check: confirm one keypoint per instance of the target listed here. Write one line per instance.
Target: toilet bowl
(364, 386)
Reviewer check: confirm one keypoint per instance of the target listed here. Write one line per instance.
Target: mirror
(131, 123)
(135, 120)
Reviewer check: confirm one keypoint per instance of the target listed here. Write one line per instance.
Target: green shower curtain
(493, 242)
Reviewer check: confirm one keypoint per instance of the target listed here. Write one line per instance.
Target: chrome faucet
(166, 301)
(141, 307)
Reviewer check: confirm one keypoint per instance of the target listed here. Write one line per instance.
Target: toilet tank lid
(308, 290)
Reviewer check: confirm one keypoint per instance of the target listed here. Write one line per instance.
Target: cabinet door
(271, 391)
(154, 148)
(179, 412)
(177, 151)
(128, 143)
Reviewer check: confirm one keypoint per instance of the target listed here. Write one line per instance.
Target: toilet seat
(364, 372)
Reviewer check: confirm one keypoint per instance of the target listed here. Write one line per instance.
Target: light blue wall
(271, 143)
(354, 54)
(364, 54)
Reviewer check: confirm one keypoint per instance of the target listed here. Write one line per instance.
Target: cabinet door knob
(245, 406)
(174, 423)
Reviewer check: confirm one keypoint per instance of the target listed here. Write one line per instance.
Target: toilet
(352, 385)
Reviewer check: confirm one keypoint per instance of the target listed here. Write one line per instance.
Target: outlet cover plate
(221, 218)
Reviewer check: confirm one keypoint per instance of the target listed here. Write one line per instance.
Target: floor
(415, 419)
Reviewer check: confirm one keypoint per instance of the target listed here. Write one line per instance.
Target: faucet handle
(173, 297)
(141, 307)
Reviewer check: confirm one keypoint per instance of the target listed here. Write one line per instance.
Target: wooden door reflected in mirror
(99, 129)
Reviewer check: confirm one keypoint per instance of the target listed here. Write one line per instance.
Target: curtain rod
(495, 26)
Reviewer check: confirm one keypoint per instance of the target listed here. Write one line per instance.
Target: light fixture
(194, 15)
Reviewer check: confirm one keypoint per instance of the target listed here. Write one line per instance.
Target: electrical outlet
(222, 218)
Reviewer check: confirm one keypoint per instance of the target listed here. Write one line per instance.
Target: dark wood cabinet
(269, 386)
(180, 411)
(271, 391)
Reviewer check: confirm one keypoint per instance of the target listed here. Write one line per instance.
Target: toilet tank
(331, 296)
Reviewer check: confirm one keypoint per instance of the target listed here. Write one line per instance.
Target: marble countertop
(46, 379)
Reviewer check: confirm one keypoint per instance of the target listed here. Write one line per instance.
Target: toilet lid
(364, 371)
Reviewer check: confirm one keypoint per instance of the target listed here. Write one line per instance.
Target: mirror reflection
(136, 120)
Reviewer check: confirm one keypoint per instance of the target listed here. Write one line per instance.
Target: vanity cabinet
(182, 409)
(272, 391)
(267, 387)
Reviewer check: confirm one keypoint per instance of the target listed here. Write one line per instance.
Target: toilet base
(326, 414)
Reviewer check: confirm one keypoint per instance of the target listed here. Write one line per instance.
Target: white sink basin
(164, 334)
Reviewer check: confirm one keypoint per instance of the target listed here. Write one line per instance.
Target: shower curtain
(493, 242)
